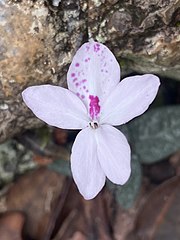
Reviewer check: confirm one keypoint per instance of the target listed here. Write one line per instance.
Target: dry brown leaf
(11, 225)
(36, 194)
(159, 217)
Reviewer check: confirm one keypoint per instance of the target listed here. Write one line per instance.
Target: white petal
(94, 71)
(130, 98)
(113, 154)
(86, 170)
(56, 106)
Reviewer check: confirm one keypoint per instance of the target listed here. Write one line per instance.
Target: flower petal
(56, 106)
(130, 98)
(86, 170)
(113, 153)
(94, 72)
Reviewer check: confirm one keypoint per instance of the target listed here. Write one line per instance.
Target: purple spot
(84, 80)
(77, 64)
(87, 59)
(73, 74)
(82, 96)
(77, 84)
(94, 107)
(84, 87)
(87, 91)
(87, 48)
(96, 47)
(75, 79)
(78, 94)
(102, 70)
(106, 71)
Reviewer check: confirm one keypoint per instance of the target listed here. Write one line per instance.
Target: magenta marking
(94, 107)
(77, 64)
(84, 80)
(96, 47)
(75, 79)
(78, 94)
(87, 91)
(87, 59)
(82, 96)
(84, 87)
(73, 74)
(87, 48)
(77, 84)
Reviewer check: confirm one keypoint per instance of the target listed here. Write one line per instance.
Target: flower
(95, 101)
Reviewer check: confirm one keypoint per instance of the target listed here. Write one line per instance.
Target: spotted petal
(56, 106)
(113, 153)
(86, 170)
(129, 99)
(92, 75)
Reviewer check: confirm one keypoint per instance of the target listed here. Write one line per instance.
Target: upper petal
(113, 153)
(56, 106)
(93, 73)
(86, 170)
(130, 98)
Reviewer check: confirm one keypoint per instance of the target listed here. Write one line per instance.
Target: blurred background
(38, 198)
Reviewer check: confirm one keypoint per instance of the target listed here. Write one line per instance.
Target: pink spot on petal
(72, 74)
(77, 84)
(75, 79)
(78, 94)
(94, 107)
(87, 48)
(82, 96)
(96, 47)
(84, 87)
(77, 64)
(84, 80)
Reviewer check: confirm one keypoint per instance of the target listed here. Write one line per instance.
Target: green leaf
(125, 195)
(61, 166)
(156, 134)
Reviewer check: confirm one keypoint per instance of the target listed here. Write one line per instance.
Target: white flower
(95, 101)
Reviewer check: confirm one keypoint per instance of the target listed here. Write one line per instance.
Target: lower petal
(86, 169)
(113, 153)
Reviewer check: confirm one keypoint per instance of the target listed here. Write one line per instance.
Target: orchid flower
(96, 101)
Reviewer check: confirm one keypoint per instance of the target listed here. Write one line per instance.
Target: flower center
(93, 125)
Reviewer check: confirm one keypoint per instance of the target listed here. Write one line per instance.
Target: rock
(145, 35)
(15, 159)
(39, 38)
(37, 42)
